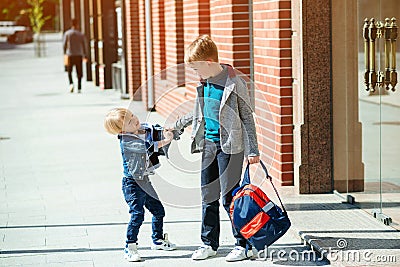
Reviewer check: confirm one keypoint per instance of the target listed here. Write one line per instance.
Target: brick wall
(168, 104)
(227, 21)
(159, 52)
(196, 22)
(174, 41)
(273, 79)
(230, 31)
(133, 48)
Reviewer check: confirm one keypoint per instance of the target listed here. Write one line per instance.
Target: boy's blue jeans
(140, 194)
(220, 175)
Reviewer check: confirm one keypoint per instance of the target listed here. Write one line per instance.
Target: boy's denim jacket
(237, 127)
(137, 155)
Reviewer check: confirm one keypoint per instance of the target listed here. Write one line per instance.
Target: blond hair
(202, 49)
(115, 119)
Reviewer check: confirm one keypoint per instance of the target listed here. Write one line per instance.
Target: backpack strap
(247, 180)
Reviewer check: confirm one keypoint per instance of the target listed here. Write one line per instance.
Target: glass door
(379, 109)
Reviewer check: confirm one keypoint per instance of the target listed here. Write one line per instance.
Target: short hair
(115, 118)
(201, 49)
(74, 22)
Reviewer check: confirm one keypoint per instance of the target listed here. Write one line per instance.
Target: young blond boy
(224, 130)
(137, 188)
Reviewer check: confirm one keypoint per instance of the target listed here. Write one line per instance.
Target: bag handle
(246, 180)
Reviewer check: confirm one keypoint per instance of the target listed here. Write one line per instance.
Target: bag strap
(246, 180)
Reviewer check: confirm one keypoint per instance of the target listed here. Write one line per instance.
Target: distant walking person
(75, 51)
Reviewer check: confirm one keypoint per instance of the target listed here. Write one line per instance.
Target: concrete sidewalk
(60, 185)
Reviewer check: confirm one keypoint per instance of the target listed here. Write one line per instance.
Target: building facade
(255, 39)
(319, 129)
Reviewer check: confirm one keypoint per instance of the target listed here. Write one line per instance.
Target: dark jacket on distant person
(74, 43)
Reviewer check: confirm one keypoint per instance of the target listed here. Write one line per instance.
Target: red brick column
(273, 77)
(196, 21)
(196, 14)
(230, 31)
(159, 53)
(174, 41)
(133, 48)
(167, 104)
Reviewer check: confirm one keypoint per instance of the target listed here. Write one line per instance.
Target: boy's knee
(210, 196)
(137, 218)
(139, 213)
(159, 213)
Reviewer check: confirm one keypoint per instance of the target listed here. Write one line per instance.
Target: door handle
(372, 32)
(393, 37)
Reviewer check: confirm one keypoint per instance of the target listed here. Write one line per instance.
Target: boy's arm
(183, 122)
(158, 144)
(65, 43)
(246, 116)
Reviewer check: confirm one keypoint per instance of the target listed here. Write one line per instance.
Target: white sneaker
(203, 252)
(239, 254)
(131, 252)
(163, 244)
(71, 88)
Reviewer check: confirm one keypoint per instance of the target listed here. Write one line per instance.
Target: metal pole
(125, 89)
(149, 56)
(251, 43)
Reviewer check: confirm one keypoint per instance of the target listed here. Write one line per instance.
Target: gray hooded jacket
(237, 127)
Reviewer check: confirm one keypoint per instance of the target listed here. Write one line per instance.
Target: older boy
(224, 130)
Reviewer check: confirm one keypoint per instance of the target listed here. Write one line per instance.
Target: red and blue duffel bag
(255, 216)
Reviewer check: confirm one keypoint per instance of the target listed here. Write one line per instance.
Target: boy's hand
(253, 159)
(169, 129)
(168, 134)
